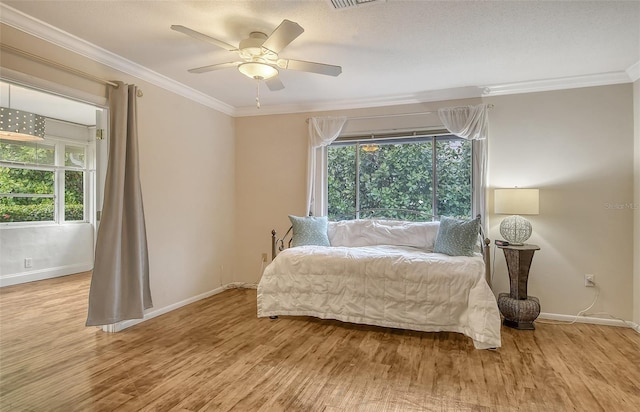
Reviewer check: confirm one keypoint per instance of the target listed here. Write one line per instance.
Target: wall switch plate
(28, 262)
(589, 280)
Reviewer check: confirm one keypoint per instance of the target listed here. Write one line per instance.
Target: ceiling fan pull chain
(257, 92)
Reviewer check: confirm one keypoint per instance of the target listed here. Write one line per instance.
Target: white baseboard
(589, 319)
(241, 285)
(41, 274)
(238, 285)
(117, 327)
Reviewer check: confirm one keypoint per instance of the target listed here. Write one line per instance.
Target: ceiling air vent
(343, 4)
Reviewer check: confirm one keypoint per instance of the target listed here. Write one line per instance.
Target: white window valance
(468, 122)
(324, 130)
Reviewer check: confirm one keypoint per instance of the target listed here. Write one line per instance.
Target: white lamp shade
(516, 201)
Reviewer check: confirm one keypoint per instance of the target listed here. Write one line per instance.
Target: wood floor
(215, 355)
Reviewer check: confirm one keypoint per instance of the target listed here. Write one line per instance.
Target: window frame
(432, 136)
(58, 168)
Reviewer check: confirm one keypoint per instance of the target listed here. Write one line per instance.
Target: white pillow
(371, 232)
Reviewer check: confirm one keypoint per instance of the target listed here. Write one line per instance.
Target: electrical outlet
(28, 262)
(589, 280)
(264, 257)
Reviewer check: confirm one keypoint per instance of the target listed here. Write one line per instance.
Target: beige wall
(636, 185)
(187, 177)
(187, 173)
(575, 146)
(270, 184)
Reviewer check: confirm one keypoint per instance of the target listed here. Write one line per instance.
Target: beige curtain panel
(120, 282)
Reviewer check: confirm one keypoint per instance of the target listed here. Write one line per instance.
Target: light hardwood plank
(216, 355)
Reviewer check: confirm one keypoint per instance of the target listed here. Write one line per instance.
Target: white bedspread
(392, 286)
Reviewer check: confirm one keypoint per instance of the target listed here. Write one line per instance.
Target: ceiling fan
(260, 55)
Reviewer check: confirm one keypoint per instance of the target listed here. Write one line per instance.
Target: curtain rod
(385, 115)
(394, 115)
(389, 115)
(60, 66)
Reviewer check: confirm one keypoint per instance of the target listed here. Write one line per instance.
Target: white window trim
(58, 168)
(320, 206)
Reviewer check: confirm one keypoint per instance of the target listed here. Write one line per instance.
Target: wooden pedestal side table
(519, 309)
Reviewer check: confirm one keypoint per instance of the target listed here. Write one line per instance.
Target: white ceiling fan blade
(284, 34)
(274, 84)
(213, 67)
(203, 37)
(312, 67)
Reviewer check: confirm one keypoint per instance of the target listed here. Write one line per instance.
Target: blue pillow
(457, 237)
(310, 230)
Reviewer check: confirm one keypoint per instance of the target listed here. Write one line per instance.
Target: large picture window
(400, 178)
(42, 182)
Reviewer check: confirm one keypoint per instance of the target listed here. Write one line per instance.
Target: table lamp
(515, 202)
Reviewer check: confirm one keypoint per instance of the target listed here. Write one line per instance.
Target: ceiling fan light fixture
(251, 48)
(259, 54)
(255, 70)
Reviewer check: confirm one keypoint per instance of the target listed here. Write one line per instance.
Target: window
(42, 182)
(399, 178)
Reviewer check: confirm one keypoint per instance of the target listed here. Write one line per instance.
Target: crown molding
(573, 82)
(395, 100)
(51, 34)
(325, 106)
(562, 83)
(634, 71)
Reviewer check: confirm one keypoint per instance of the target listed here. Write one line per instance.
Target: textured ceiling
(388, 50)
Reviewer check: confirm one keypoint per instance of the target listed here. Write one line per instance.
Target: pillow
(457, 237)
(310, 230)
(370, 232)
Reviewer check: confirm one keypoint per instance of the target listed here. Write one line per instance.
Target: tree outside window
(31, 179)
(408, 179)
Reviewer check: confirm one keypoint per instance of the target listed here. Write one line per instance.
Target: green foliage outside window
(26, 181)
(27, 152)
(454, 178)
(34, 181)
(342, 182)
(400, 176)
(73, 195)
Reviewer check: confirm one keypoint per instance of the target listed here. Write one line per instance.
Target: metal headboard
(278, 244)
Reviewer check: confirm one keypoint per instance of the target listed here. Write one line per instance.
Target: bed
(385, 273)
